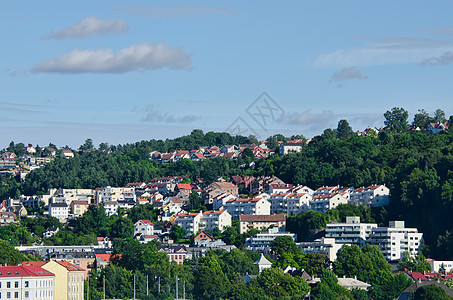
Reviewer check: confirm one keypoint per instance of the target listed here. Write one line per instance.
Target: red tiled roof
(417, 276)
(184, 186)
(70, 267)
(104, 257)
(147, 222)
(23, 271)
(213, 212)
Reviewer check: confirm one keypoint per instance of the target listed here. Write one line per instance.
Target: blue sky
(121, 72)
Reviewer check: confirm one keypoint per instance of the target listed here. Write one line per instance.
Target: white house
(59, 211)
(289, 203)
(326, 246)
(26, 282)
(219, 200)
(247, 206)
(290, 146)
(219, 219)
(111, 208)
(324, 202)
(189, 221)
(375, 195)
(209, 220)
(145, 227)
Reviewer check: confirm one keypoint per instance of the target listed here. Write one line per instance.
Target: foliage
(431, 292)
(396, 119)
(414, 264)
(177, 233)
(11, 256)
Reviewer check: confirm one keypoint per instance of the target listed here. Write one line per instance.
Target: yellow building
(69, 280)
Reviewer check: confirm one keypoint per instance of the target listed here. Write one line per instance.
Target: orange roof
(214, 212)
(104, 257)
(70, 267)
(34, 263)
(184, 186)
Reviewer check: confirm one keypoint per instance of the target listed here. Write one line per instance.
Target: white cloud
(89, 26)
(153, 115)
(139, 57)
(172, 11)
(346, 74)
(385, 51)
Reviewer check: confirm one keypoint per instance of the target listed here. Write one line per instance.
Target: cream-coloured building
(69, 280)
(260, 222)
(78, 208)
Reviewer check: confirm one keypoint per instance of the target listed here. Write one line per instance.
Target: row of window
(15, 295)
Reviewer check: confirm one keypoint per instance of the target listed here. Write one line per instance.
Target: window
(26, 294)
(8, 295)
(16, 295)
(16, 284)
(8, 284)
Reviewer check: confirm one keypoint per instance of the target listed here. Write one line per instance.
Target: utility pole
(134, 286)
(103, 286)
(184, 290)
(88, 287)
(158, 290)
(147, 286)
(176, 287)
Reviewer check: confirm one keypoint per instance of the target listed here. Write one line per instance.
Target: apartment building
(208, 220)
(247, 206)
(373, 196)
(396, 239)
(289, 203)
(26, 282)
(352, 232)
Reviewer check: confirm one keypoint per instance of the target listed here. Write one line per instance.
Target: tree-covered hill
(417, 167)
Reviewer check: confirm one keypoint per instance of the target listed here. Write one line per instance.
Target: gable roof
(23, 271)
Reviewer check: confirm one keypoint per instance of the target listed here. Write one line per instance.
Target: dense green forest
(417, 167)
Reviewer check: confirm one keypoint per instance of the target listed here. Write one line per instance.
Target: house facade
(26, 282)
(260, 222)
(247, 206)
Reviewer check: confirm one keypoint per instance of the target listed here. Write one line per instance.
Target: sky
(122, 72)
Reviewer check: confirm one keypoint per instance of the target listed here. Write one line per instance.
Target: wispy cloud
(19, 107)
(88, 27)
(172, 11)
(344, 74)
(139, 57)
(152, 114)
(312, 121)
(385, 51)
(442, 60)
(15, 73)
